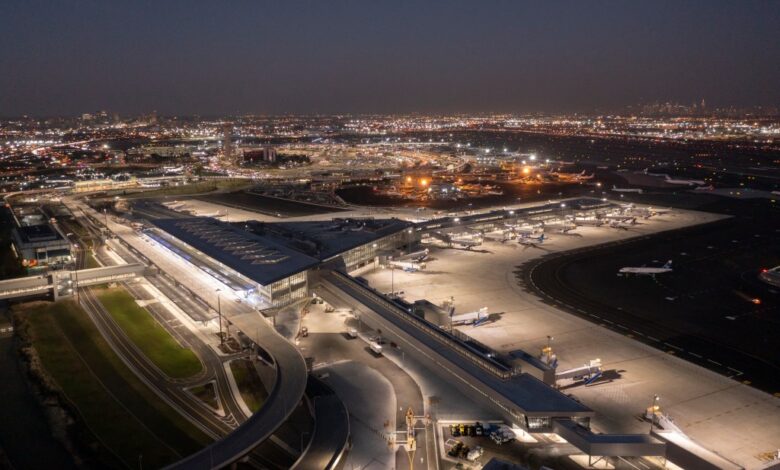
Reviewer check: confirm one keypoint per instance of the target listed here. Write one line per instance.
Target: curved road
(291, 372)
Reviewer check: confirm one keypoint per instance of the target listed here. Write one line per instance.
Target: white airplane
(670, 180)
(466, 242)
(407, 266)
(418, 256)
(626, 190)
(532, 241)
(475, 318)
(170, 170)
(622, 224)
(647, 271)
(527, 229)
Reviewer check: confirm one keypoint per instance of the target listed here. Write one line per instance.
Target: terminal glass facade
(363, 255)
(285, 291)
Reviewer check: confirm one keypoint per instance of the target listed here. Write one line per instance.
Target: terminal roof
(259, 258)
(325, 239)
(38, 233)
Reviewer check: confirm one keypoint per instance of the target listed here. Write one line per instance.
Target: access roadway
(290, 367)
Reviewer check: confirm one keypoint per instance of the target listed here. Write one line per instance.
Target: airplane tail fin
(668, 264)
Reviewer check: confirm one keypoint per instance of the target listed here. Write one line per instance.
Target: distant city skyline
(186, 58)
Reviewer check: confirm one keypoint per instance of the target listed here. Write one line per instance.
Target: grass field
(249, 384)
(124, 418)
(91, 262)
(206, 394)
(155, 342)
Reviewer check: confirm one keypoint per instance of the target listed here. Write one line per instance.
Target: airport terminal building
(273, 260)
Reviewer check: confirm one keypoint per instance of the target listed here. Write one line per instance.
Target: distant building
(227, 143)
(266, 154)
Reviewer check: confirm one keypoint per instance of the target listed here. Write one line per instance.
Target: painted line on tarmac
(674, 347)
(696, 355)
(738, 372)
(714, 362)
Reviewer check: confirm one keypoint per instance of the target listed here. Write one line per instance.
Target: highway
(291, 373)
(214, 369)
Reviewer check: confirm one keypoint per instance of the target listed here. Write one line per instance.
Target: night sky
(65, 57)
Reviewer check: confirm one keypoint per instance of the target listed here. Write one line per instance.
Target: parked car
(475, 453)
(455, 450)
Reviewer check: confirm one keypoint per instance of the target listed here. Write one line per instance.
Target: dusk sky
(224, 57)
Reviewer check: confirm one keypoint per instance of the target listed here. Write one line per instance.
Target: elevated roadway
(290, 367)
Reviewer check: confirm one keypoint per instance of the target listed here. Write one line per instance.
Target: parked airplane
(626, 190)
(171, 170)
(525, 230)
(417, 256)
(532, 241)
(647, 271)
(622, 224)
(408, 266)
(467, 243)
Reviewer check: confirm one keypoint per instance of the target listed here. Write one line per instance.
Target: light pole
(219, 313)
(77, 249)
(392, 276)
(653, 409)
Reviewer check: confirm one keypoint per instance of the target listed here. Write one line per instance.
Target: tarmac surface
(704, 307)
(735, 420)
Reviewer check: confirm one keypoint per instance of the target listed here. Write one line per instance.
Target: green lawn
(206, 394)
(249, 384)
(153, 340)
(91, 262)
(124, 419)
